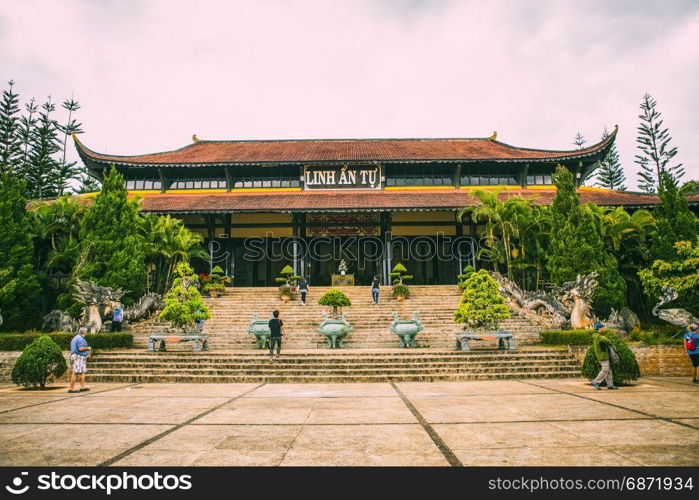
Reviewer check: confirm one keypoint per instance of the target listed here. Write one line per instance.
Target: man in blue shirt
(691, 343)
(79, 350)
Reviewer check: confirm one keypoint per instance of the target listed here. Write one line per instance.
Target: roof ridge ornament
(194, 138)
(494, 136)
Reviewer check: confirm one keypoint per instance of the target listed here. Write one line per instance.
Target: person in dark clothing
(303, 289)
(276, 328)
(375, 284)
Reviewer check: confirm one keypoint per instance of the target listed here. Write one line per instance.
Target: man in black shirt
(276, 328)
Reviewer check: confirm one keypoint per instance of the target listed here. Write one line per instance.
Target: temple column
(386, 264)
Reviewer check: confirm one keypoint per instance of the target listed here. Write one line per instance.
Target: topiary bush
(41, 361)
(183, 303)
(334, 298)
(625, 371)
(482, 306)
(461, 278)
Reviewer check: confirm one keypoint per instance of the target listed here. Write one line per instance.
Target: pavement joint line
(449, 455)
(176, 427)
(614, 405)
(64, 398)
(301, 427)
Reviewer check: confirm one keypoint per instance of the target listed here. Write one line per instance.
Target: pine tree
(112, 247)
(611, 174)
(88, 184)
(27, 122)
(20, 292)
(9, 124)
(42, 168)
(656, 152)
(579, 141)
(576, 246)
(67, 171)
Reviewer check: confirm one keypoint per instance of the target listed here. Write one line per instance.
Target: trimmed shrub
(566, 337)
(656, 338)
(334, 298)
(41, 361)
(626, 370)
(18, 341)
(482, 305)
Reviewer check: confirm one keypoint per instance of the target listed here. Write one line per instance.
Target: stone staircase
(232, 312)
(327, 366)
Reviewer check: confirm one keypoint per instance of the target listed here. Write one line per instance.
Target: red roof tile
(339, 150)
(362, 200)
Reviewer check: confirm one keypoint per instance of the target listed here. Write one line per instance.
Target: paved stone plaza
(533, 422)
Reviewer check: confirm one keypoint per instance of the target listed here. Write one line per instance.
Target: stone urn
(406, 329)
(260, 329)
(334, 330)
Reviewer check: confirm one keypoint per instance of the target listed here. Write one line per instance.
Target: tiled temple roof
(357, 201)
(342, 150)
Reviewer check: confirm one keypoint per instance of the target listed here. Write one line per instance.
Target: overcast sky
(149, 74)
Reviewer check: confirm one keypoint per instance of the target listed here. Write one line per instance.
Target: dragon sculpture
(675, 316)
(567, 306)
(98, 301)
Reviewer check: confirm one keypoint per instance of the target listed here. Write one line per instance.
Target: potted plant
(334, 298)
(399, 276)
(183, 303)
(482, 306)
(215, 283)
(288, 279)
(342, 268)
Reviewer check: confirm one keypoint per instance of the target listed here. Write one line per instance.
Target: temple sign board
(342, 176)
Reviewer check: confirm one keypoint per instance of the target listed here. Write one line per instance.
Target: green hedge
(565, 337)
(655, 338)
(18, 341)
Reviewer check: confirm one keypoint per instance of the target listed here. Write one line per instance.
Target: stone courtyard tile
(273, 410)
(660, 455)
(193, 438)
(506, 435)
(359, 390)
(458, 409)
(70, 444)
(59, 389)
(361, 411)
(663, 404)
(579, 385)
(76, 409)
(11, 402)
(157, 410)
(567, 407)
(533, 456)
(694, 422)
(400, 444)
(467, 388)
(618, 433)
(182, 390)
(289, 391)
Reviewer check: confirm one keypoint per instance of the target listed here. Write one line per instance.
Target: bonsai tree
(183, 303)
(217, 281)
(399, 275)
(41, 361)
(467, 272)
(482, 306)
(625, 370)
(334, 298)
(288, 278)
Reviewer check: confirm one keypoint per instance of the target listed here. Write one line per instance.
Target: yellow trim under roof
(264, 190)
(498, 186)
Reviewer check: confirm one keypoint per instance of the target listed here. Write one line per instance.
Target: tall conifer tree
(611, 174)
(9, 130)
(656, 152)
(576, 246)
(112, 246)
(20, 292)
(42, 170)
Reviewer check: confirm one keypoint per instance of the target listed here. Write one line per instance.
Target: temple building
(373, 202)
